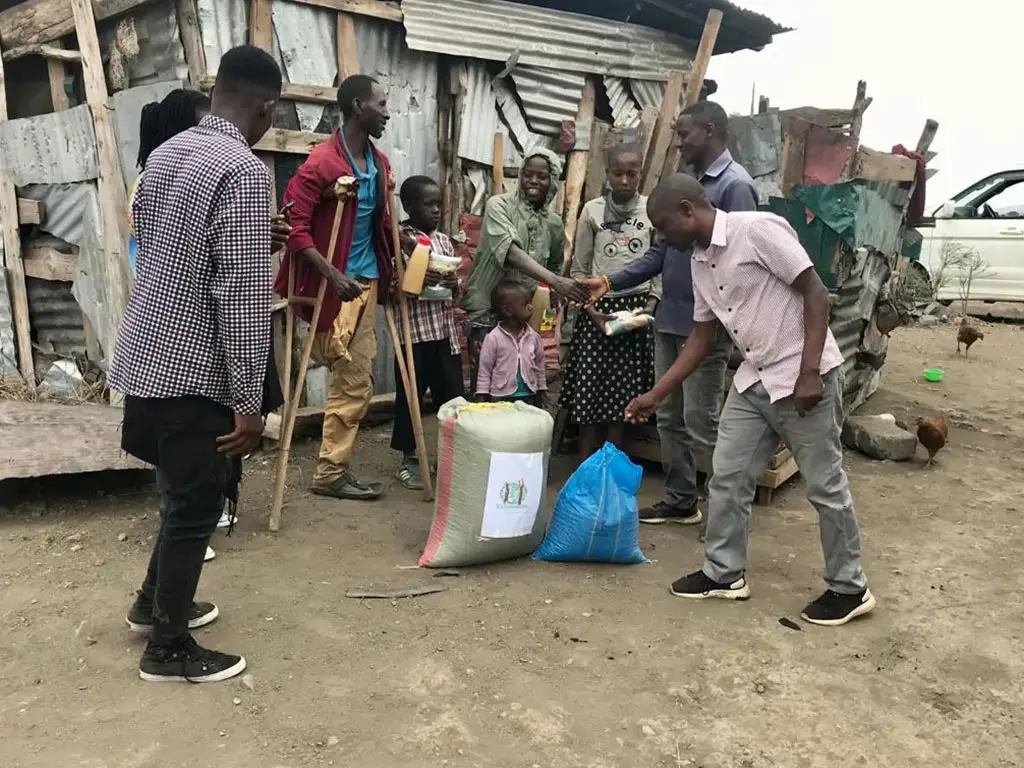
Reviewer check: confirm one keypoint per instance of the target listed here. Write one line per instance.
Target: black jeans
(179, 437)
(438, 370)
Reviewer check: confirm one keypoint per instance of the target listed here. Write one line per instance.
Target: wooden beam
(444, 127)
(498, 164)
(261, 24)
(191, 41)
(30, 211)
(47, 263)
(14, 267)
(458, 87)
(576, 170)
(56, 73)
(293, 142)
(931, 127)
(113, 198)
(664, 130)
(348, 50)
(881, 166)
(52, 52)
(375, 8)
(316, 94)
(42, 21)
(694, 83)
(596, 170)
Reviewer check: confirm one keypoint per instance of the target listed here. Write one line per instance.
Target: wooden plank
(52, 52)
(316, 94)
(664, 130)
(48, 263)
(56, 72)
(459, 85)
(191, 40)
(596, 170)
(498, 164)
(30, 211)
(694, 83)
(294, 142)
(375, 8)
(261, 29)
(15, 268)
(42, 21)
(881, 166)
(42, 439)
(444, 125)
(830, 118)
(576, 171)
(113, 198)
(348, 49)
(931, 127)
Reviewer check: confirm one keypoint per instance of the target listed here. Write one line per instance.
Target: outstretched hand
(641, 408)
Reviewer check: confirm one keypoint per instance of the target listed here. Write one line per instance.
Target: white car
(981, 230)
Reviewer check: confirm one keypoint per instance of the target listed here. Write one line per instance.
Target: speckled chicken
(967, 335)
(933, 434)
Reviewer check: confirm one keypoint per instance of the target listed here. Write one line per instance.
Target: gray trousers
(688, 418)
(749, 432)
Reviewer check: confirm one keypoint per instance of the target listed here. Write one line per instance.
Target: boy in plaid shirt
(435, 342)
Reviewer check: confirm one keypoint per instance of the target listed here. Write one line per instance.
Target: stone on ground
(879, 437)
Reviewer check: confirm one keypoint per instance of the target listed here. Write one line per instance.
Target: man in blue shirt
(688, 419)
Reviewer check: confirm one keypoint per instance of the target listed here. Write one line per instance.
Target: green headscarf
(510, 219)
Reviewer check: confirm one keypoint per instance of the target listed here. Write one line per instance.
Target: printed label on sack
(515, 484)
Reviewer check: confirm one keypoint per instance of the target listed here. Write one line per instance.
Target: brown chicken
(933, 434)
(967, 335)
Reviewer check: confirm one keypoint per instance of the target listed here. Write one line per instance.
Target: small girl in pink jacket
(512, 356)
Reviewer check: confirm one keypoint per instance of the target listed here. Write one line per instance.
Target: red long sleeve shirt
(312, 217)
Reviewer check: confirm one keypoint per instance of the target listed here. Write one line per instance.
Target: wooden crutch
(343, 190)
(409, 373)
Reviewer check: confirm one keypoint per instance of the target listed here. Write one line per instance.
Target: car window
(996, 198)
(1008, 204)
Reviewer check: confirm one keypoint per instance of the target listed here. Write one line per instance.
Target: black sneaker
(697, 586)
(663, 513)
(140, 616)
(189, 663)
(833, 609)
(349, 488)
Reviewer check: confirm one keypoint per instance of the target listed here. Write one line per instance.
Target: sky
(952, 62)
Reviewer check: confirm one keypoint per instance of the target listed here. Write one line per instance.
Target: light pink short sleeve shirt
(744, 278)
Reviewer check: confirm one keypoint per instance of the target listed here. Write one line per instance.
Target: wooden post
(261, 24)
(596, 171)
(576, 170)
(113, 198)
(924, 143)
(694, 84)
(458, 86)
(348, 50)
(15, 267)
(498, 164)
(444, 143)
(192, 41)
(661, 135)
(860, 103)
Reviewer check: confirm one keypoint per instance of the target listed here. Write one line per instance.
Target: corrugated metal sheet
(161, 56)
(56, 148)
(568, 42)
(648, 93)
(480, 121)
(510, 110)
(307, 45)
(127, 108)
(549, 97)
(624, 108)
(8, 350)
(223, 24)
(56, 318)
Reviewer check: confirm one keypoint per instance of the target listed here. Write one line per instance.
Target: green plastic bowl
(933, 374)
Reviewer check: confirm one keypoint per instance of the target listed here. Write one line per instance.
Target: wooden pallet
(643, 443)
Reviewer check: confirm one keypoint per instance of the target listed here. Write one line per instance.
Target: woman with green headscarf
(521, 239)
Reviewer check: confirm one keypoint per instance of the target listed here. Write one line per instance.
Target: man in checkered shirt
(752, 277)
(193, 347)
(435, 340)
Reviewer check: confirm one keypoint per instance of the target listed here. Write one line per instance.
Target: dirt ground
(529, 665)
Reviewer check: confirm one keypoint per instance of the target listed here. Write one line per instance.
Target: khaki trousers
(349, 350)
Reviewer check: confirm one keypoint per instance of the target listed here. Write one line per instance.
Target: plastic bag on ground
(492, 471)
(595, 518)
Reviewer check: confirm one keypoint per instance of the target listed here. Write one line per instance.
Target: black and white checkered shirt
(198, 320)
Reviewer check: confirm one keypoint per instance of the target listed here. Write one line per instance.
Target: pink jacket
(502, 356)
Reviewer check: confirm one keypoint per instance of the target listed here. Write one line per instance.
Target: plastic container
(438, 263)
(933, 374)
(416, 269)
(541, 306)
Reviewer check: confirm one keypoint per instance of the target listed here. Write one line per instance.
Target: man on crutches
(361, 261)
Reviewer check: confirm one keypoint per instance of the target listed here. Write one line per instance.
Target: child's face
(426, 212)
(519, 307)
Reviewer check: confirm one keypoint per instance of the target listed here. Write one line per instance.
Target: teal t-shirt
(521, 389)
(362, 259)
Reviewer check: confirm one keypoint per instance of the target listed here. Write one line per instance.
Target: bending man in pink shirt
(752, 276)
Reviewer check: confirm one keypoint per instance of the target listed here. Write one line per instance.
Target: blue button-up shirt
(729, 188)
(362, 258)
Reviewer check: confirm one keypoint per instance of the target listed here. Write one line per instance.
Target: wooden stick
(289, 335)
(396, 340)
(661, 135)
(411, 389)
(694, 84)
(342, 189)
(576, 172)
(498, 164)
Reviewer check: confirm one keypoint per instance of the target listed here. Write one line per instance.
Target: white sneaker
(210, 554)
(225, 520)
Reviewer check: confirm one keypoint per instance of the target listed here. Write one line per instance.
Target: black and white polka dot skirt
(604, 373)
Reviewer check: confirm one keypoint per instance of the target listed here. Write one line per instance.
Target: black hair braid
(162, 120)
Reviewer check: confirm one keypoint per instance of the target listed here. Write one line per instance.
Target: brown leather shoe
(347, 487)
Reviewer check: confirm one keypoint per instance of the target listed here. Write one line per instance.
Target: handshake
(580, 293)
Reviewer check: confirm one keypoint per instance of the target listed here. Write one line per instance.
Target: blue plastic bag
(595, 518)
